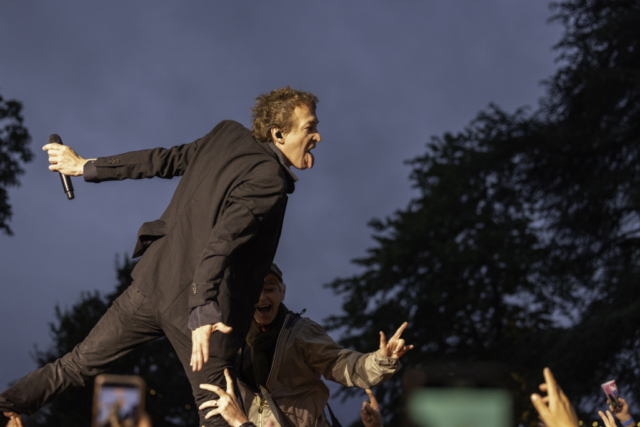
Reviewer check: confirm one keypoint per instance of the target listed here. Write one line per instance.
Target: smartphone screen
(118, 401)
(453, 407)
(458, 394)
(611, 391)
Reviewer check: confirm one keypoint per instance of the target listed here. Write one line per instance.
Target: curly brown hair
(275, 109)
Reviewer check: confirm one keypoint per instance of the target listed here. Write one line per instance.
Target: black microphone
(66, 180)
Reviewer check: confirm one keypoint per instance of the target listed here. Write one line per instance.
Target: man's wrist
(89, 171)
(628, 423)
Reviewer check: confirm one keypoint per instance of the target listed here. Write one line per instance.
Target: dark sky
(117, 76)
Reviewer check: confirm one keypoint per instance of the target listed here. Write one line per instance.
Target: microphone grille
(55, 139)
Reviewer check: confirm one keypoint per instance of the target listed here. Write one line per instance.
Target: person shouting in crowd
(285, 355)
(203, 262)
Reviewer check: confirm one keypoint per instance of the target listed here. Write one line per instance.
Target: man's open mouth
(264, 309)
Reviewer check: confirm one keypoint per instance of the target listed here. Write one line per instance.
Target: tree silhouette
(14, 150)
(523, 246)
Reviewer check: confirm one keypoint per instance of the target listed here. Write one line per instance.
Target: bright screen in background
(118, 401)
(460, 407)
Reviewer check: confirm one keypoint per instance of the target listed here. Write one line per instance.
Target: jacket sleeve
(246, 208)
(160, 162)
(347, 367)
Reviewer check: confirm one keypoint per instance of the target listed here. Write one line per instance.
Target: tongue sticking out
(309, 159)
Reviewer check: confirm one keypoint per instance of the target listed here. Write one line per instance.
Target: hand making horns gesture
(395, 347)
(226, 404)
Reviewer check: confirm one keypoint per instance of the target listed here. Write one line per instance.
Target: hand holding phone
(611, 391)
(118, 400)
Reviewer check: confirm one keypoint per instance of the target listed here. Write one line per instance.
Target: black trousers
(131, 321)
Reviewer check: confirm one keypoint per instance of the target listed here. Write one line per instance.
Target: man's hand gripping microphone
(66, 180)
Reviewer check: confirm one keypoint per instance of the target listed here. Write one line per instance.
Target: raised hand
(622, 411)
(608, 419)
(370, 413)
(396, 347)
(555, 408)
(14, 419)
(226, 405)
(200, 343)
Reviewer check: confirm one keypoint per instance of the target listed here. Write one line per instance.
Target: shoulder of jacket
(229, 128)
(305, 327)
(230, 124)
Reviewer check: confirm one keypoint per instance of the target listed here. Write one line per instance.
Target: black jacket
(218, 236)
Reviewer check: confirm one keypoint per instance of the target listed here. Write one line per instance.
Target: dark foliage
(14, 150)
(523, 246)
(169, 400)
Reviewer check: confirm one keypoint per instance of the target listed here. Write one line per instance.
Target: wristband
(628, 422)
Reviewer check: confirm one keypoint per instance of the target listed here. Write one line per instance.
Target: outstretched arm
(159, 162)
(347, 367)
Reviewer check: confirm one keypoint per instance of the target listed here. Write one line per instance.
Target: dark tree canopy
(523, 246)
(14, 150)
(169, 400)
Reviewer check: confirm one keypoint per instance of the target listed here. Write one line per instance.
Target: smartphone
(470, 395)
(118, 400)
(611, 391)
(455, 406)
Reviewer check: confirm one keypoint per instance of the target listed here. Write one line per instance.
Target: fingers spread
(607, 419)
(383, 341)
(227, 377)
(211, 387)
(400, 330)
(208, 404)
(552, 386)
(542, 409)
(213, 412)
(16, 421)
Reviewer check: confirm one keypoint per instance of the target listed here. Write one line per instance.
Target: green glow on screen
(460, 407)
